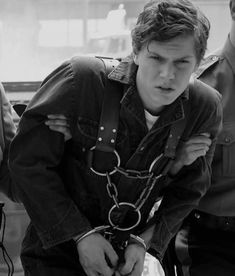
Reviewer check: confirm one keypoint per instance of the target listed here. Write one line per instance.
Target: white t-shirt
(150, 119)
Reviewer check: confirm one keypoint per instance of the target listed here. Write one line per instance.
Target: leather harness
(105, 143)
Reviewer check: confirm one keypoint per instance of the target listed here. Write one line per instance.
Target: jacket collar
(229, 52)
(125, 72)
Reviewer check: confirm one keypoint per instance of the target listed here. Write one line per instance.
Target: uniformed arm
(8, 130)
(35, 155)
(186, 188)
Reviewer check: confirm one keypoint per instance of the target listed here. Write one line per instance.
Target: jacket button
(197, 216)
(227, 139)
(177, 115)
(214, 58)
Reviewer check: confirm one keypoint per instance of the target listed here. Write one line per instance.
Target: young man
(88, 203)
(205, 245)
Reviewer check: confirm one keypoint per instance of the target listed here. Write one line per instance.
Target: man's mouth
(166, 89)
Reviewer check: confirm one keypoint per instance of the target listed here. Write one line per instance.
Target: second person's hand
(59, 123)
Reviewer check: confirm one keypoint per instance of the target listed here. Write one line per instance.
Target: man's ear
(232, 9)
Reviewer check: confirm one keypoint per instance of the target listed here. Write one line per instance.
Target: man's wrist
(176, 167)
(78, 238)
(83, 235)
(138, 240)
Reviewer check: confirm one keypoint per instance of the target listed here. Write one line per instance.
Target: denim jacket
(62, 196)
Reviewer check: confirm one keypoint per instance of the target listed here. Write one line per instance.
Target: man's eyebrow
(155, 54)
(183, 57)
(186, 57)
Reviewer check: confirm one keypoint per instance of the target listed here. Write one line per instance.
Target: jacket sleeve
(8, 131)
(35, 155)
(186, 189)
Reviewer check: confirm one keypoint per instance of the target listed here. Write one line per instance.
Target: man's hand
(97, 255)
(134, 261)
(59, 123)
(190, 150)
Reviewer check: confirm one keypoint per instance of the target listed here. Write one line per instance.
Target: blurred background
(38, 35)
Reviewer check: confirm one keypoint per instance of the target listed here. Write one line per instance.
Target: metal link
(112, 190)
(133, 173)
(105, 173)
(118, 227)
(146, 192)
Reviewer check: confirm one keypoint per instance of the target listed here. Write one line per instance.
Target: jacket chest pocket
(86, 132)
(224, 158)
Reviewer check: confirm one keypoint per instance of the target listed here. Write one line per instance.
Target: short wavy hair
(163, 20)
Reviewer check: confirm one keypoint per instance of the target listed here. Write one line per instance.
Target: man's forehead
(186, 46)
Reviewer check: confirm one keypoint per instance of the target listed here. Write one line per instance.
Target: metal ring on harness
(117, 210)
(113, 171)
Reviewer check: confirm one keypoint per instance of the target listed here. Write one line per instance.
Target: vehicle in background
(117, 45)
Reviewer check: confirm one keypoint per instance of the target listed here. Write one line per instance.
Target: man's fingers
(198, 140)
(58, 128)
(201, 152)
(127, 267)
(103, 268)
(111, 255)
(99, 268)
(91, 273)
(57, 122)
(136, 269)
(106, 271)
(196, 147)
(57, 116)
(205, 134)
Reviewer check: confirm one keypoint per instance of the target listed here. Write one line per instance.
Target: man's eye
(182, 61)
(155, 57)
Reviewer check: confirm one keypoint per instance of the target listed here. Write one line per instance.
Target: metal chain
(147, 190)
(133, 173)
(113, 192)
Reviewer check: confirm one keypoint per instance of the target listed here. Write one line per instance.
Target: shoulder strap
(109, 63)
(164, 163)
(109, 119)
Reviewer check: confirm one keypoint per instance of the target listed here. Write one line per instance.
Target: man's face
(164, 70)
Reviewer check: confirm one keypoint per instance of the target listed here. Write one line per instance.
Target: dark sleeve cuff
(66, 229)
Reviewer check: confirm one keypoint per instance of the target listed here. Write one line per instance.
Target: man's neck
(232, 34)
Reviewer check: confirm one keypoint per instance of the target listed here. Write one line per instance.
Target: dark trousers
(205, 246)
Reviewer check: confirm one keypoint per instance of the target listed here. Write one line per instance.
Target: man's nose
(167, 71)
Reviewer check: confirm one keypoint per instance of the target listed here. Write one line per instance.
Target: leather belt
(206, 220)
